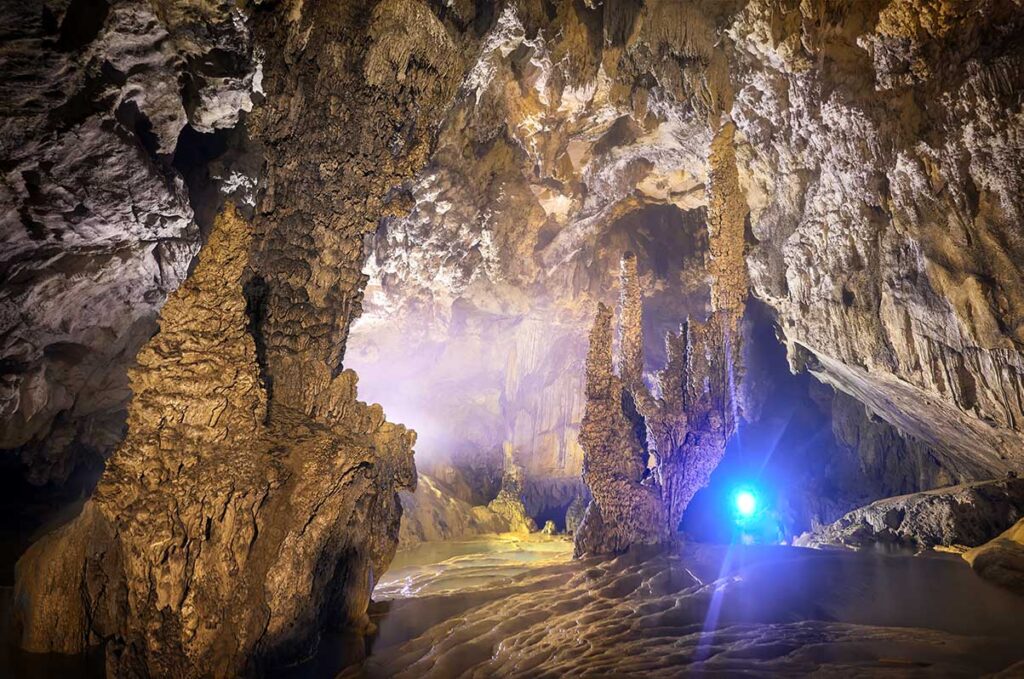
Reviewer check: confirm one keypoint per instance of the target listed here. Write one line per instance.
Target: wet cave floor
(521, 607)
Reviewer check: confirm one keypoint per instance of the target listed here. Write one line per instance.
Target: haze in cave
(524, 338)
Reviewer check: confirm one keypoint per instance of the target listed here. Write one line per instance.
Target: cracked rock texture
(957, 516)
(880, 154)
(97, 225)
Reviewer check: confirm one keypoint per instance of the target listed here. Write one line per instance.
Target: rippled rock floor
(513, 606)
(502, 607)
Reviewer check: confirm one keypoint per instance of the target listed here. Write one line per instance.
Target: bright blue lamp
(746, 504)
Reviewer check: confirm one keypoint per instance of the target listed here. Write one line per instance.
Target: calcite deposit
(624, 510)
(222, 537)
(254, 501)
(646, 456)
(702, 610)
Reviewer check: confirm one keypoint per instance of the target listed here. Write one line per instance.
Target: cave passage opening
(494, 376)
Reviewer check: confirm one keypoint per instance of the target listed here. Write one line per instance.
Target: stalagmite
(288, 520)
(625, 510)
(684, 430)
(509, 502)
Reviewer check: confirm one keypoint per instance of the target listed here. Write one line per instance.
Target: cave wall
(254, 501)
(881, 159)
(97, 222)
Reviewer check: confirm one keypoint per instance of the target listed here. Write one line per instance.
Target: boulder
(966, 515)
(1001, 560)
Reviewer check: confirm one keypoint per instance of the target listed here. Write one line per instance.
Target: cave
(526, 338)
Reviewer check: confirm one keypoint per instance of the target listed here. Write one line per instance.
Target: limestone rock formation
(433, 512)
(1002, 559)
(625, 510)
(220, 539)
(255, 501)
(967, 515)
(509, 503)
(645, 457)
(689, 424)
(876, 152)
(859, 159)
(574, 515)
(97, 223)
(479, 169)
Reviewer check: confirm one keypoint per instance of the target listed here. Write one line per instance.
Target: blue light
(746, 503)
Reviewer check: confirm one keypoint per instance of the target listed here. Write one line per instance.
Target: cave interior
(525, 338)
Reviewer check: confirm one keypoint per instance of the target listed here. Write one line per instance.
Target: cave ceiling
(876, 151)
(882, 225)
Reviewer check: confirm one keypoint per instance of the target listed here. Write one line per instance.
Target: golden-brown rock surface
(1001, 560)
(220, 539)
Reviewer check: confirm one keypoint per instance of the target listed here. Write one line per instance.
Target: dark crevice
(82, 22)
(193, 154)
(129, 115)
(256, 292)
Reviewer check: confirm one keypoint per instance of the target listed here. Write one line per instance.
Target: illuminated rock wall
(97, 220)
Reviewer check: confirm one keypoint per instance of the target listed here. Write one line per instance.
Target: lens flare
(746, 503)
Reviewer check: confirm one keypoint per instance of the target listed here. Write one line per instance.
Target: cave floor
(514, 606)
(510, 607)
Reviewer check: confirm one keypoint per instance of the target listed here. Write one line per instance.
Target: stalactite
(631, 329)
(727, 214)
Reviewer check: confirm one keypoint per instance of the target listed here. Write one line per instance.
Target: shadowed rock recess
(97, 223)
(215, 213)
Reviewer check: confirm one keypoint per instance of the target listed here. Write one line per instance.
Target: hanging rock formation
(858, 158)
